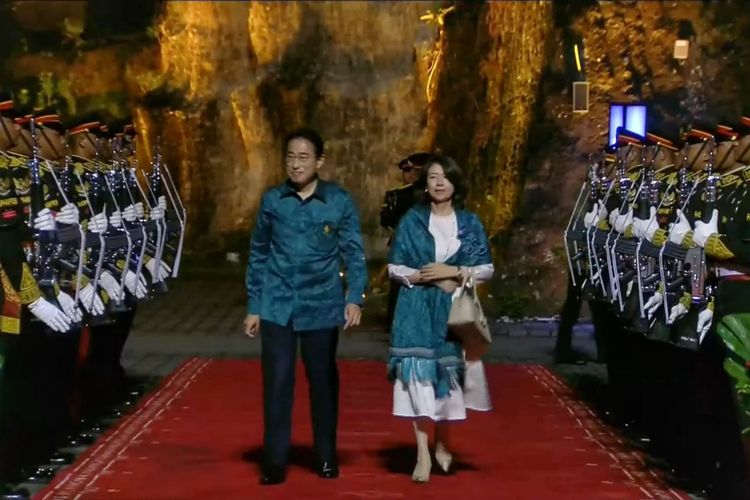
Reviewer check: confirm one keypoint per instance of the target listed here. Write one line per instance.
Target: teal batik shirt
(296, 254)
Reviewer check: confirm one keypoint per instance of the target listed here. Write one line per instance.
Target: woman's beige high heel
(443, 457)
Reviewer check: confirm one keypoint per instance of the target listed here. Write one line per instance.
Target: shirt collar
(319, 193)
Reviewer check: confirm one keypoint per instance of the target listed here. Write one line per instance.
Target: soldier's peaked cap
(45, 117)
(726, 132)
(123, 126)
(7, 106)
(700, 131)
(88, 122)
(657, 137)
(415, 160)
(48, 118)
(625, 136)
(744, 125)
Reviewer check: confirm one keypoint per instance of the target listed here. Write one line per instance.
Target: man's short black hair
(414, 160)
(309, 135)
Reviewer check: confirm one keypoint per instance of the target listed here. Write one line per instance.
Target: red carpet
(199, 436)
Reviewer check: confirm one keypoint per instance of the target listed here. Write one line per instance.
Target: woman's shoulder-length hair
(452, 172)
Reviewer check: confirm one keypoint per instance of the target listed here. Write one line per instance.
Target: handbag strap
(468, 281)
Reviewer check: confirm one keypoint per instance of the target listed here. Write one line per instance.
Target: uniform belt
(8, 214)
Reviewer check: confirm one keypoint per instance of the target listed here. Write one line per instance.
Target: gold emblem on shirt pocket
(325, 236)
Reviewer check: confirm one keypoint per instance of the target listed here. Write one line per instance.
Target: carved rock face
(238, 76)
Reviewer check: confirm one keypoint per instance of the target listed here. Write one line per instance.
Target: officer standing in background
(397, 202)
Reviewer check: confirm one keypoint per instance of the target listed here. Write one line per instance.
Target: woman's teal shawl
(419, 335)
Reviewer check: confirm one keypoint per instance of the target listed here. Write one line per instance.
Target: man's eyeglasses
(289, 159)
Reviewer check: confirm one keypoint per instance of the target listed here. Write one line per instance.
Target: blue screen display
(631, 117)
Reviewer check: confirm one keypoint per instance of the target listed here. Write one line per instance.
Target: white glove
(139, 210)
(678, 229)
(623, 221)
(115, 219)
(596, 277)
(50, 315)
(110, 285)
(98, 223)
(69, 307)
(68, 214)
(163, 202)
(677, 312)
(44, 220)
(588, 219)
(646, 228)
(90, 300)
(157, 213)
(653, 303)
(705, 317)
(137, 288)
(705, 229)
(130, 213)
(164, 270)
(613, 216)
(591, 217)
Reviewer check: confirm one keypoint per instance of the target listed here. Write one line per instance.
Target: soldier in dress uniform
(667, 369)
(397, 202)
(37, 398)
(103, 374)
(10, 304)
(108, 351)
(731, 296)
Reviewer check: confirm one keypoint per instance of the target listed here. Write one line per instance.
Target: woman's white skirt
(417, 399)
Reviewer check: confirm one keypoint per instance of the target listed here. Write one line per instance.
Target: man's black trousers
(279, 352)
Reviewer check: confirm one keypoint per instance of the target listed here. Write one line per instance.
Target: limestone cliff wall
(218, 84)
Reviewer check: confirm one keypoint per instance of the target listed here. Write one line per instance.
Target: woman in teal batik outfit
(436, 244)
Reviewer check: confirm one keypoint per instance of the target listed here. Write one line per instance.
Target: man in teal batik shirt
(305, 230)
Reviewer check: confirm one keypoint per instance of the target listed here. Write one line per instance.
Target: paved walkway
(203, 312)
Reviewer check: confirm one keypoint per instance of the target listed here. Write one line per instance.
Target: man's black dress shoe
(328, 470)
(570, 359)
(273, 474)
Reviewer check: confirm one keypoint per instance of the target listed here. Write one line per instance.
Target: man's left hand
(438, 271)
(352, 315)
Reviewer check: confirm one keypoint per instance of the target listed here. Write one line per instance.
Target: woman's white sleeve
(401, 274)
(483, 272)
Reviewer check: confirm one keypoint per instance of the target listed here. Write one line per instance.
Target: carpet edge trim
(91, 464)
(656, 487)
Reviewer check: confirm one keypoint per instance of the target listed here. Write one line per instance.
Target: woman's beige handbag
(468, 322)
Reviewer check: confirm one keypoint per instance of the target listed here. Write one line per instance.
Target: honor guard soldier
(87, 138)
(39, 368)
(722, 228)
(10, 303)
(111, 339)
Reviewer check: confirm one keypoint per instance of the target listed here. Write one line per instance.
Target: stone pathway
(202, 316)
